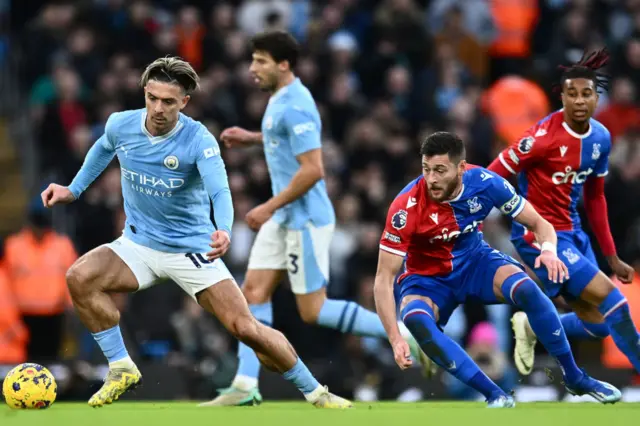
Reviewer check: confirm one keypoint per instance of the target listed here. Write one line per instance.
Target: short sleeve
(303, 130)
(398, 228)
(504, 197)
(526, 151)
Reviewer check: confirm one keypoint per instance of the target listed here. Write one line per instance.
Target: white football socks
(125, 363)
(244, 383)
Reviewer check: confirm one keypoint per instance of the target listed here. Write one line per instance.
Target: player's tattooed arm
(388, 266)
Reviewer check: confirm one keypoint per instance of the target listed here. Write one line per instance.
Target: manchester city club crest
(399, 220)
(171, 162)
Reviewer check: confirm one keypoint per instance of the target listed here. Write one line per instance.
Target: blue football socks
(349, 317)
(617, 316)
(575, 328)
(300, 376)
(111, 343)
(522, 292)
(419, 319)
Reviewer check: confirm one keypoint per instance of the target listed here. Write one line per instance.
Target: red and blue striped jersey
(552, 163)
(437, 237)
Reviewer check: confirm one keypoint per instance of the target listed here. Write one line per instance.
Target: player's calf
(272, 348)
(349, 317)
(225, 301)
(574, 327)
(519, 290)
(419, 317)
(257, 289)
(89, 280)
(578, 327)
(342, 315)
(615, 311)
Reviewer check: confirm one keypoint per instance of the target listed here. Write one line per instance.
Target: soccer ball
(29, 386)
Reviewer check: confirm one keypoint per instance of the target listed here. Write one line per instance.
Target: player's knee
(255, 293)
(521, 290)
(310, 305)
(599, 289)
(614, 300)
(420, 319)
(267, 362)
(308, 314)
(245, 329)
(77, 280)
(598, 331)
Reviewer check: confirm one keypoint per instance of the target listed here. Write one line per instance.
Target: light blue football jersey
(291, 126)
(167, 181)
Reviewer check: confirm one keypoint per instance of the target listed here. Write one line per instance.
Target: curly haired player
(558, 157)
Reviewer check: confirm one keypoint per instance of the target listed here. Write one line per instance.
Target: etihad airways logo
(151, 185)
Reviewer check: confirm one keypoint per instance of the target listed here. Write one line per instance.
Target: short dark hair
(441, 143)
(587, 67)
(279, 44)
(172, 70)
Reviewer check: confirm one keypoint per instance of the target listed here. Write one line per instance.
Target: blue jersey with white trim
(437, 237)
(291, 126)
(167, 181)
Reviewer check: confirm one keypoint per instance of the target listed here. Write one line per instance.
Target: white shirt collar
(575, 134)
(157, 139)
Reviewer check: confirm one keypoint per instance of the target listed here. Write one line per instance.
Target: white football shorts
(304, 253)
(191, 271)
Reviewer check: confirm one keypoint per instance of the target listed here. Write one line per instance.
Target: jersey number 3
(293, 267)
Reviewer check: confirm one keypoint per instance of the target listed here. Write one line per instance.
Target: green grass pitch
(301, 414)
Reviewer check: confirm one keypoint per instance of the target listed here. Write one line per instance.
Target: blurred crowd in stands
(384, 74)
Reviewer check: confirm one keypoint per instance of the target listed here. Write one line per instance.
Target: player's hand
(56, 194)
(236, 136)
(402, 353)
(258, 216)
(623, 271)
(558, 271)
(220, 242)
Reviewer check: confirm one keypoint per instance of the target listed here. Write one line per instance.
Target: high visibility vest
(13, 333)
(515, 20)
(514, 105)
(37, 269)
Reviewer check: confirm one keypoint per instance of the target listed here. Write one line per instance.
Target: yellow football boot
(117, 382)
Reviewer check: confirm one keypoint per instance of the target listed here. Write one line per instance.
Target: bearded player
(559, 158)
(433, 223)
